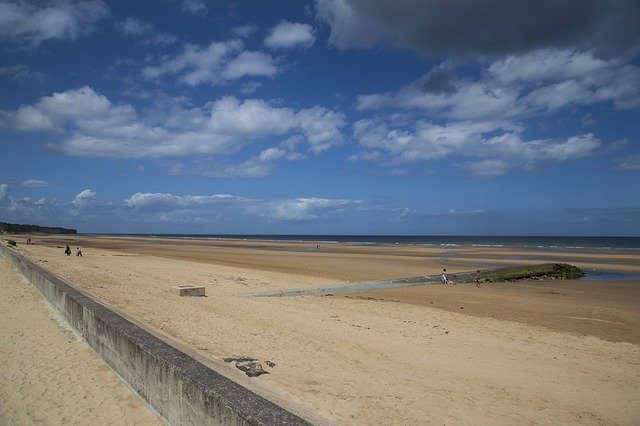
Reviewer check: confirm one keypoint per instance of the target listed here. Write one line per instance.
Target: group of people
(67, 251)
(446, 280)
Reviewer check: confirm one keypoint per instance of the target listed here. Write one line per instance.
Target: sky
(391, 117)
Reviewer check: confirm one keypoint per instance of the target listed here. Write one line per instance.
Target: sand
(47, 374)
(561, 352)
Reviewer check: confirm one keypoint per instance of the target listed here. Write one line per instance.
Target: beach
(529, 352)
(48, 374)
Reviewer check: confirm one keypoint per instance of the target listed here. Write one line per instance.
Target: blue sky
(322, 117)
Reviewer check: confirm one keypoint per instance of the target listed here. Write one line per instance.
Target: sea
(529, 242)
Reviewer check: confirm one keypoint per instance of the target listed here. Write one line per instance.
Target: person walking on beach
(79, 252)
(478, 279)
(67, 250)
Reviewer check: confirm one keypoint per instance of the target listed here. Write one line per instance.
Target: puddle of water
(596, 275)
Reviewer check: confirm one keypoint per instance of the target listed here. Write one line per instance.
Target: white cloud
(214, 64)
(290, 35)
(494, 146)
(320, 126)
(303, 209)
(548, 80)
(84, 198)
(518, 87)
(252, 64)
(87, 123)
(3, 191)
(484, 118)
(83, 107)
(33, 23)
(32, 183)
(287, 210)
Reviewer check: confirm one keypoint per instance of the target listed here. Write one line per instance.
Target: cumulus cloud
(496, 148)
(489, 28)
(87, 123)
(84, 198)
(516, 87)
(33, 23)
(213, 64)
(443, 115)
(287, 35)
(164, 202)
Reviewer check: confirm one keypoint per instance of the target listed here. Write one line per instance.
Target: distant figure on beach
(67, 250)
(28, 240)
(478, 279)
(79, 252)
(445, 279)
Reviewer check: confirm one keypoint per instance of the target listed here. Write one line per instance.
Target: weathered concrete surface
(187, 290)
(181, 389)
(369, 285)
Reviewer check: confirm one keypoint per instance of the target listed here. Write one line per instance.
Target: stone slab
(187, 290)
(368, 285)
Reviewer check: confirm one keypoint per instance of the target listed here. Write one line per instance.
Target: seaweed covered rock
(251, 366)
(546, 271)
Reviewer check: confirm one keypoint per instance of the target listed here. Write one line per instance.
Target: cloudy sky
(420, 117)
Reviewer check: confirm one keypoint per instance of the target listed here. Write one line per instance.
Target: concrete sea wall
(180, 388)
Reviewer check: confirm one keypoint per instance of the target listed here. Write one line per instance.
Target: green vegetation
(11, 243)
(14, 228)
(547, 271)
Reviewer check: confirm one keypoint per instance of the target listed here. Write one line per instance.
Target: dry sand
(47, 374)
(561, 352)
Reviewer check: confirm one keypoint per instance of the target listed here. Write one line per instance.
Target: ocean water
(562, 243)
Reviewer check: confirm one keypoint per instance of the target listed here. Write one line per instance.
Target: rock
(249, 365)
(251, 368)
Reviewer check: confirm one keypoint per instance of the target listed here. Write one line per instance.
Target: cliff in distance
(14, 228)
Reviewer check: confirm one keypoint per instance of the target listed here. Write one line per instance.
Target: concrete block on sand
(187, 290)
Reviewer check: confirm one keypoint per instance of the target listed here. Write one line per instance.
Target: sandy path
(361, 361)
(47, 375)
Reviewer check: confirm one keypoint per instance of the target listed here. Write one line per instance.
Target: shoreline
(354, 360)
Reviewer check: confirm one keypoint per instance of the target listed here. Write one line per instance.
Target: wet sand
(607, 310)
(561, 352)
